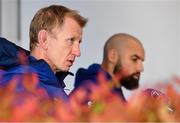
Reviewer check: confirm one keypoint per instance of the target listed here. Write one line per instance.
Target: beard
(130, 82)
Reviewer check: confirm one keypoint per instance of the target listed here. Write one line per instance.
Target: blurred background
(154, 22)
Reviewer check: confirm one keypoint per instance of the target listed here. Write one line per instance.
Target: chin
(64, 69)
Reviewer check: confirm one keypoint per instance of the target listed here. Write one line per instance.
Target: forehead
(71, 24)
(134, 48)
(69, 27)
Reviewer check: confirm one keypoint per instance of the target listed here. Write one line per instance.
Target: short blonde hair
(48, 18)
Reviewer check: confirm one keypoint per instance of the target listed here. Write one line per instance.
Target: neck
(40, 55)
(108, 67)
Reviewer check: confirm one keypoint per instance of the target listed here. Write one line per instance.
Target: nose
(76, 50)
(140, 66)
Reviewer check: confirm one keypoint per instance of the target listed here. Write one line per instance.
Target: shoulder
(17, 72)
(90, 74)
(22, 69)
(92, 69)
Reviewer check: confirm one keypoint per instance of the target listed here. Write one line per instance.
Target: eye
(134, 59)
(70, 40)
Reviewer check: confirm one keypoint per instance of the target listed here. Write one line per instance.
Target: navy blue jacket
(84, 76)
(10, 66)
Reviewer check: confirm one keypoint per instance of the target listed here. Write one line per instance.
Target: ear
(113, 56)
(42, 38)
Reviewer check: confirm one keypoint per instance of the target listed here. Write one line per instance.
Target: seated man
(122, 61)
(55, 36)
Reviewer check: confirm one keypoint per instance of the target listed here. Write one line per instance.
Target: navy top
(11, 67)
(85, 76)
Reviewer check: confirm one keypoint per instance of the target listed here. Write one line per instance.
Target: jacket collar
(46, 74)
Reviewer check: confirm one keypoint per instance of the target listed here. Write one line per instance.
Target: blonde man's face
(64, 45)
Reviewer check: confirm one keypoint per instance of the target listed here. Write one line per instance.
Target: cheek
(55, 51)
(126, 69)
(62, 53)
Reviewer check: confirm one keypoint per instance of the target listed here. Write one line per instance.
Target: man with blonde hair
(55, 36)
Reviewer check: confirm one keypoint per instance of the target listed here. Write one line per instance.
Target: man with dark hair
(122, 61)
(55, 36)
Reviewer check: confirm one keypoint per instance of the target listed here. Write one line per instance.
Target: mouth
(70, 62)
(136, 76)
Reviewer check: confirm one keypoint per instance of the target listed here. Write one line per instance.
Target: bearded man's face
(130, 65)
